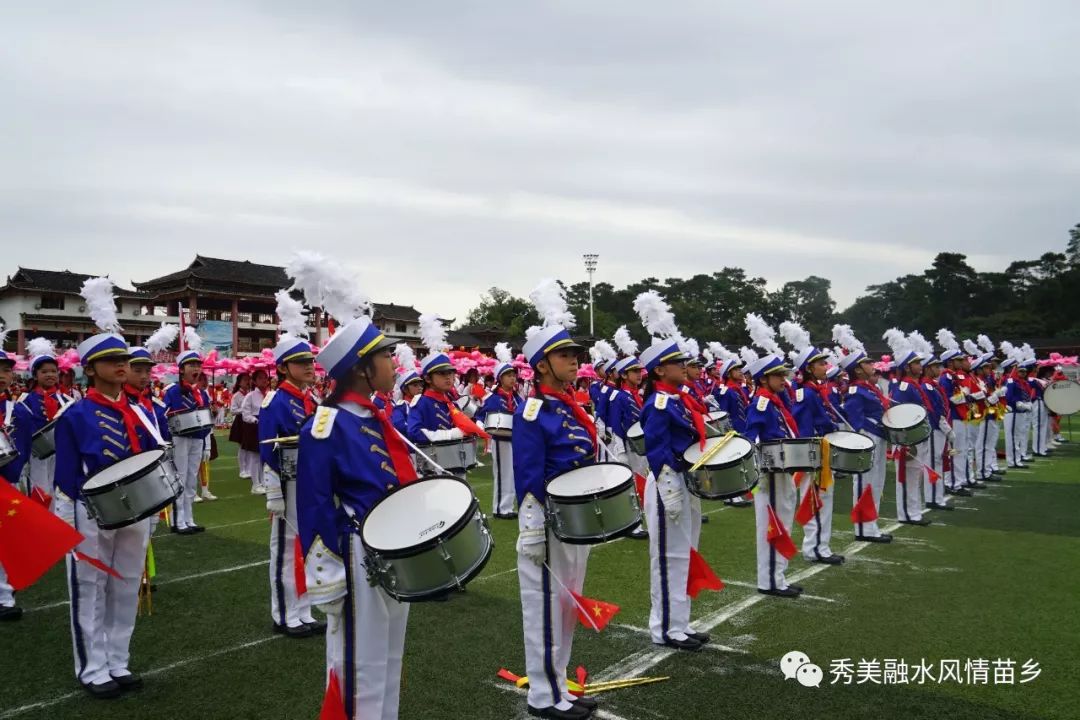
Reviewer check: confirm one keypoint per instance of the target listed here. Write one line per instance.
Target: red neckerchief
(131, 420)
(824, 390)
(792, 426)
(48, 399)
(740, 388)
(439, 397)
(882, 398)
(399, 453)
(194, 390)
(696, 389)
(922, 393)
(461, 421)
(696, 409)
(142, 397)
(579, 413)
(302, 395)
(508, 398)
(1025, 385)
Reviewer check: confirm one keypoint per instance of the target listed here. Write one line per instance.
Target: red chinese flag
(41, 497)
(333, 707)
(864, 510)
(32, 539)
(810, 504)
(779, 537)
(465, 424)
(99, 564)
(932, 474)
(599, 612)
(639, 485)
(299, 574)
(701, 576)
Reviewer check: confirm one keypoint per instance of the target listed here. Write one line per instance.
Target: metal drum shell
(717, 423)
(910, 433)
(451, 455)
(43, 443)
(131, 498)
(635, 439)
(727, 479)
(595, 517)
(849, 460)
(1062, 397)
(499, 425)
(8, 451)
(190, 422)
(791, 455)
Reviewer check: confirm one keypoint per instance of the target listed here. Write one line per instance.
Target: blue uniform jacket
(90, 437)
(764, 420)
(904, 391)
(624, 412)
(669, 431)
(937, 403)
(547, 441)
(811, 415)
(178, 398)
(496, 403)
(732, 402)
(21, 435)
(602, 401)
(158, 418)
(427, 414)
(400, 417)
(281, 415)
(35, 403)
(1014, 393)
(863, 410)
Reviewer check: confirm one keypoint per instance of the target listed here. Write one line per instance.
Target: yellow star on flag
(598, 611)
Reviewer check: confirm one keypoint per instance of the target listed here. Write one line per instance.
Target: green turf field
(993, 580)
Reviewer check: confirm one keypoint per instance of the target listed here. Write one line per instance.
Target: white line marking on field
(961, 507)
(492, 576)
(150, 673)
(166, 532)
(878, 561)
(708, 646)
(753, 586)
(644, 660)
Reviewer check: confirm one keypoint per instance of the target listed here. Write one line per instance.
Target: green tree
(499, 308)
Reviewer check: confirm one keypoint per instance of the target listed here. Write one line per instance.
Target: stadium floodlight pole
(590, 268)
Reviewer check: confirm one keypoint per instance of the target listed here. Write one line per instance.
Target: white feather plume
(627, 345)
(502, 352)
(292, 319)
(100, 303)
(192, 340)
(549, 299)
(971, 348)
(406, 358)
(433, 333)
(656, 315)
(40, 346)
(795, 335)
(748, 355)
(762, 335)
(602, 350)
(710, 359)
(3, 335)
(1028, 352)
(722, 353)
(326, 284)
(844, 335)
(919, 343)
(162, 338)
(531, 331)
(985, 343)
(690, 347)
(897, 341)
(947, 340)
(1008, 349)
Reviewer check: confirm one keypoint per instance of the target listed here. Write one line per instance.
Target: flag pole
(572, 597)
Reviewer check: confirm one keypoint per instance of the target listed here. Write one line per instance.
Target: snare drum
(287, 453)
(190, 422)
(426, 539)
(43, 444)
(8, 451)
(906, 424)
(635, 439)
(1062, 397)
(717, 423)
(791, 455)
(499, 424)
(130, 490)
(731, 472)
(467, 405)
(850, 452)
(593, 504)
(451, 455)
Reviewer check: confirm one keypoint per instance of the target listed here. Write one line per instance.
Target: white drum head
(1062, 397)
(734, 449)
(849, 440)
(416, 513)
(635, 431)
(716, 416)
(124, 468)
(903, 416)
(589, 480)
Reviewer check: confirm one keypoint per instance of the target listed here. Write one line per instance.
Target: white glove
(454, 434)
(1023, 406)
(333, 608)
(206, 456)
(275, 505)
(945, 426)
(536, 550)
(951, 437)
(670, 487)
(979, 395)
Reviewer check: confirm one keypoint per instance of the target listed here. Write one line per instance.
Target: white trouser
(42, 472)
(993, 431)
(1041, 418)
(1023, 441)
(243, 461)
(1012, 438)
(818, 531)
(365, 643)
(960, 461)
(187, 456)
(549, 615)
(285, 607)
(502, 501)
(7, 593)
(640, 465)
(778, 491)
(972, 432)
(909, 482)
(875, 480)
(981, 449)
(933, 492)
(103, 608)
(669, 563)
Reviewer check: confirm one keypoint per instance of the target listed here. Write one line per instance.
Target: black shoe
(704, 519)
(998, 472)
(689, 644)
(978, 485)
(874, 538)
(175, 530)
(829, 559)
(317, 627)
(940, 506)
(639, 534)
(104, 691)
(10, 614)
(574, 713)
(962, 492)
(128, 682)
(993, 477)
(586, 702)
(921, 522)
(785, 593)
(796, 588)
(700, 637)
(196, 529)
(301, 631)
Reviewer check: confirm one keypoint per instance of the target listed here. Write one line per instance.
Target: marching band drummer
(504, 399)
(350, 457)
(864, 404)
(552, 434)
(911, 460)
(93, 433)
(625, 410)
(431, 414)
(16, 417)
(940, 426)
(191, 450)
(732, 397)
(283, 412)
(44, 401)
(409, 384)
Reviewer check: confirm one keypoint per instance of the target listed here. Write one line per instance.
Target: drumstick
(711, 452)
(286, 438)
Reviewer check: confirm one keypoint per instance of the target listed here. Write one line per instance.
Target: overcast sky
(441, 148)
